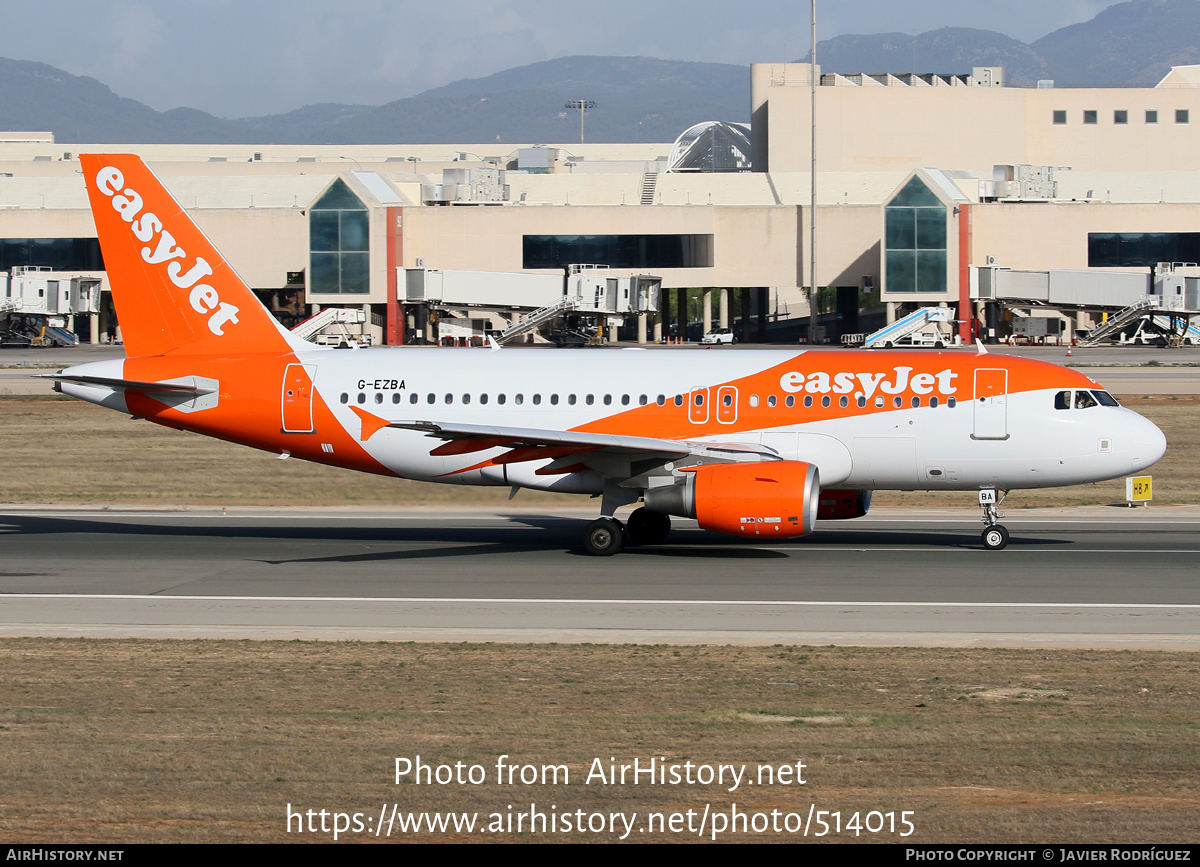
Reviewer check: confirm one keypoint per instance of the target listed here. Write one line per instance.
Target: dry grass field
(206, 741)
(75, 453)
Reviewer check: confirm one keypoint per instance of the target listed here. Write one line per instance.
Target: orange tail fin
(172, 289)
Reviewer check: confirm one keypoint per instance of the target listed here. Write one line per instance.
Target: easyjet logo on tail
(902, 378)
(204, 299)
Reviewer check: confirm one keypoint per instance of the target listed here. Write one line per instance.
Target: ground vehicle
(756, 444)
(719, 336)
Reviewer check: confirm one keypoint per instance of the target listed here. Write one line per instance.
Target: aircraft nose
(1149, 444)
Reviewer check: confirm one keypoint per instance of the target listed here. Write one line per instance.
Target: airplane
(755, 444)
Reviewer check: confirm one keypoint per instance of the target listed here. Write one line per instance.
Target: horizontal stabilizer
(129, 384)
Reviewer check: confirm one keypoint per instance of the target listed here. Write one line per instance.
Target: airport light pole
(583, 105)
(812, 206)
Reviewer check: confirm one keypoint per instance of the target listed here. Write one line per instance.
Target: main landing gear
(995, 536)
(605, 536)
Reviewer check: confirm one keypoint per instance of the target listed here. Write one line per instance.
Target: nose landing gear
(995, 536)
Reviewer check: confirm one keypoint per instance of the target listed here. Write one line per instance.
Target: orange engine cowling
(769, 498)
(841, 504)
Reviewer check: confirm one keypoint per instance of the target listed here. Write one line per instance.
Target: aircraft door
(698, 406)
(991, 405)
(297, 398)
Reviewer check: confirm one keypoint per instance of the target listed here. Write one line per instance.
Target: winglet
(371, 424)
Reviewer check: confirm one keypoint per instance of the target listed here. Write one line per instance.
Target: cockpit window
(1062, 400)
(1084, 400)
(1105, 398)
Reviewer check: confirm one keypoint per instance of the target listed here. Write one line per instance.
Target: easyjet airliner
(755, 444)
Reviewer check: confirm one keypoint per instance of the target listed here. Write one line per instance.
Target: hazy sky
(253, 57)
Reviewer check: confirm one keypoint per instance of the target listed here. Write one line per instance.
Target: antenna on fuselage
(979, 346)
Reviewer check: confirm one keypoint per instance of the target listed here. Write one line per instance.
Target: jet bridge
(532, 302)
(1131, 300)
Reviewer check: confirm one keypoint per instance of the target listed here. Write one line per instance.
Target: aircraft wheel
(888, 344)
(995, 537)
(648, 528)
(603, 537)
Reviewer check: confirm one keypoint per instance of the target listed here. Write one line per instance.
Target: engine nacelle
(778, 499)
(837, 505)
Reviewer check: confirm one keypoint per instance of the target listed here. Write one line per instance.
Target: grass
(209, 741)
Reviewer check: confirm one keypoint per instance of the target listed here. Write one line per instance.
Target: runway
(1093, 577)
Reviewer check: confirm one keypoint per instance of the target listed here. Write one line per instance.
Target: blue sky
(253, 57)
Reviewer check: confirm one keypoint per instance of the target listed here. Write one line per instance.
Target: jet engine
(777, 499)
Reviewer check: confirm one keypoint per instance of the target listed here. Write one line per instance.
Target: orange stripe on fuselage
(249, 408)
(672, 422)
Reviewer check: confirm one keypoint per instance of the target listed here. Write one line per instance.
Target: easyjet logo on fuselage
(895, 381)
(204, 299)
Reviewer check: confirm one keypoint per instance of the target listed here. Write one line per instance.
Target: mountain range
(639, 99)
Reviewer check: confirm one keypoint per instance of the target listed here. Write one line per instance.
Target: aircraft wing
(189, 387)
(612, 455)
(475, 437)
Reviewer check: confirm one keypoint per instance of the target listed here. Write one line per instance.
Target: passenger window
(897, 401)
(345, 397)
(933, 402)
(608, 400)
(844, 401)
(362, 398)
(754, 400)
(414, 397)
(862, 401)
(624, 400)
(771, 400)
(570, 400)
(379, 397)
(466, 398)
(808, 400)
(395, 397)
(449, 398)
(483, 398)
(916, 402)
(699, 398)
(1062, 400)
(727, 399)
(643, 400)
(430, 398)
(790, 400)
(554, 400)
(537, 399)
(679, 400)
(879, 401)
(661, 400)
(518, 399)
(501, 398)
(825, 401)
(951, 402)
(1084, 400)
(590, 399)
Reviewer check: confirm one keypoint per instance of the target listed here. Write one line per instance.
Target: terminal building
(1003, 203)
